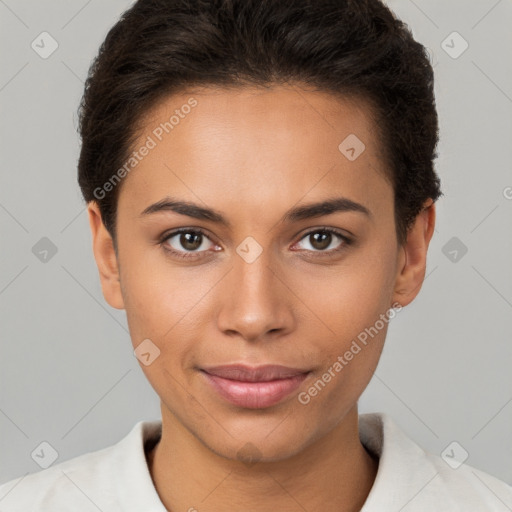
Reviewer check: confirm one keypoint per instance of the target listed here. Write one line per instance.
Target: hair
(349, 48)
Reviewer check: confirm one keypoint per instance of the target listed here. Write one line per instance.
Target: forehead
(257, 147)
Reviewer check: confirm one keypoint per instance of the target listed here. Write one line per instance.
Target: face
(258, 275)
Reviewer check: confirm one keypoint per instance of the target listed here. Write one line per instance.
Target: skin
(252, 154)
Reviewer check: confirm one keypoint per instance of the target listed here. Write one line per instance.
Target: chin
(251, 451)
(259, 440)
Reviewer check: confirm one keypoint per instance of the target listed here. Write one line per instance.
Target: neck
(335, 473)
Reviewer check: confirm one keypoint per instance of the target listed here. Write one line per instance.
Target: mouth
(254, 387)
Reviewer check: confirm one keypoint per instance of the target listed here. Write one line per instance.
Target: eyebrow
(298, 213)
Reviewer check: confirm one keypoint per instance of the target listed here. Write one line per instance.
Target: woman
(261, 196)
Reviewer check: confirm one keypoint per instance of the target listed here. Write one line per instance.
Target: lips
(258, 374)
(254, 387)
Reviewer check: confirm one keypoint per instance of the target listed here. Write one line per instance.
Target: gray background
(68, 374)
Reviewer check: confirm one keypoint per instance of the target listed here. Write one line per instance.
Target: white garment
(117, 478)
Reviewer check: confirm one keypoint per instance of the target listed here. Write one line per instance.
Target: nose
(255, 303)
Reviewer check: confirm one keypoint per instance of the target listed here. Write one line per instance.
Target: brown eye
(324, 240)
(320, 240)
(187, 242)
(190, 241)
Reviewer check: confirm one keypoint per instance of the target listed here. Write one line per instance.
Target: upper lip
(262, 373)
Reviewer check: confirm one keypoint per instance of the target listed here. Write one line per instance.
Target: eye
(321, 239)
(186, 242)
(194, 242)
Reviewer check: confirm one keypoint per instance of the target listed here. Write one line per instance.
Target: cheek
(354, 295)
(160, 306)
(356, 312)
(163, 299)
(354, 305)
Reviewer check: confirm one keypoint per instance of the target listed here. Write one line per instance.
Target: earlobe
(106, 258)
(412, 262)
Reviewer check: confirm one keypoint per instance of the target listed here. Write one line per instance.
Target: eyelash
(187, 255)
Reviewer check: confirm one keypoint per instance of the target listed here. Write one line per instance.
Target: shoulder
(468, 488)
(411, 478)
(56, 484)
(89, 482)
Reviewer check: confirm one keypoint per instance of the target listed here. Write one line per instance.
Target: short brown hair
(345, 47)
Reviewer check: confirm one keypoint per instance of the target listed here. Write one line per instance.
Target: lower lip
(254, 395)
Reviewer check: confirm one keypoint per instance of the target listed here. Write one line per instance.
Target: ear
(412, 261)
(106, 258)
